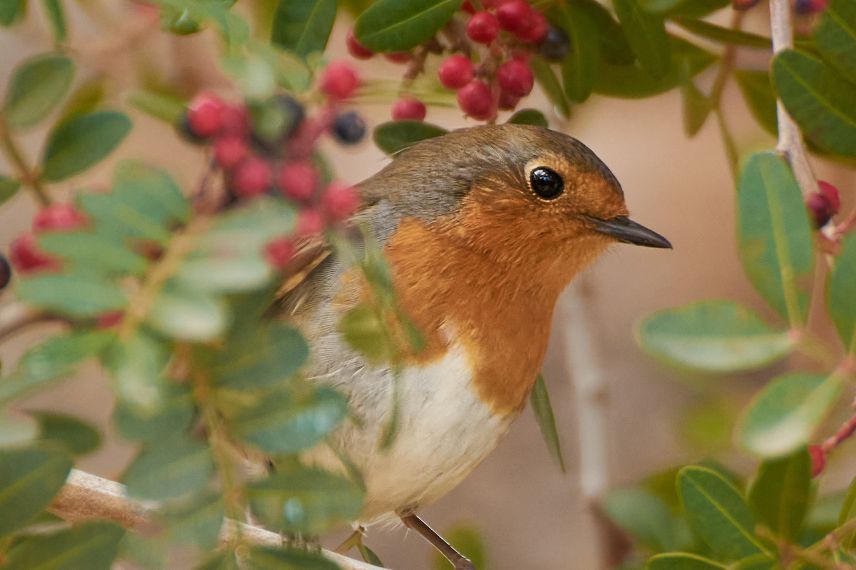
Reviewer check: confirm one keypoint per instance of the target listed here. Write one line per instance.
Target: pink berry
(515, 77)
(26, 257)
(483, 27)
(109, 320)
(355, 48)
(818, 459)
(507, 101)
(297, 179)
(456, 71)
(205, 115)
(398, 56)
(340, 200)
(832, 195)
(339, 80)
(409, 108)
(58, 217)
(514, 15)
(310, 222)
(467, 7)
(536, 29)
(234, 121)
(279, 252)
(230, 151)
(251, 177)
(820, 208)
(476, 100)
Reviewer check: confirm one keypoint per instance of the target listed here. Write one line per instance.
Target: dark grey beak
(626, 230)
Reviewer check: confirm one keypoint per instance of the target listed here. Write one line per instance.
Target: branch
(16, 316)
(790, 139)
(86, 496)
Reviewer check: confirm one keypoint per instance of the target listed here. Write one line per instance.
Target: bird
(482, 229)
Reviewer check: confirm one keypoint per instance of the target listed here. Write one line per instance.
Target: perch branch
(790, 140)
(86, 496)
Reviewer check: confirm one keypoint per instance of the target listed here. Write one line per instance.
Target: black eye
(546, 183)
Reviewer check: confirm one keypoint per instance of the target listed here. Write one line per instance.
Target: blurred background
(529, 514)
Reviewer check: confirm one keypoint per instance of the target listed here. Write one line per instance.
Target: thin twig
(26, 174)
(15, 317)
(86, 496)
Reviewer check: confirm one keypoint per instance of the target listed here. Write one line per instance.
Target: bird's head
(520, 194)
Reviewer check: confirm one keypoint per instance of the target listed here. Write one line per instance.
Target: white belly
(444, 432)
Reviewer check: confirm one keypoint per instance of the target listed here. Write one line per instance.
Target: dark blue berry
(5, 272)
(555, 45)
(293, 114)
(349, 128)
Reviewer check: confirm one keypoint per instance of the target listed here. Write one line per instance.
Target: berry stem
(27, 175)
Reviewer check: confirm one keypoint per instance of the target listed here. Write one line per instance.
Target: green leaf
(646, 518)
(168, 469)
(150, 191)
(29, 479)
(303, 26)
(172, 416)
(94, 252)
(646, 33)
(76, 294)
(549, 83)
(286, 423)
(83, 141)
(162, 106)
(36, 88)
(365, 331)
(682, 561)
(84, 99)
(113, 216)
(78, 437)
(580, 65)
(392, 25)
(540, 400)
(8, 188)
(723, 35)
(91, 545)
(260, 359)
(223, 272)
(787, 412)
(848, 513)
(371, 556)
(717, 513)
(835, 37)
(758, 93)
(185, 314)
(56, 16)
(137, 366)
(614, 46)
(11, 11)
(756, 562)
(697, 108)
(198, 522)
(818, 99)
(306, 500)
(529, 117)
(266, 558)
(774, 235)
(395, 136)
(781, 493)
(687, 8)
(245, 230)
(712, 336)
(840, 298)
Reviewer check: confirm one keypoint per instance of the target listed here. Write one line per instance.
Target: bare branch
(16, 316)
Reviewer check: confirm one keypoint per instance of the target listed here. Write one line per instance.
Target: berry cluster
(824, 204)
(499, 34)
(270, 148)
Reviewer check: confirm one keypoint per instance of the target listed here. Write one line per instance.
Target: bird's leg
(354, 539)
(458, 560)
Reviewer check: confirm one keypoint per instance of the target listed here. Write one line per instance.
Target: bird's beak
(626, 230)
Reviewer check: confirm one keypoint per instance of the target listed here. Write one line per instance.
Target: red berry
(230, 151)
(476, 100)
(832, 195)
(456, 71)
(279, 252)
(58, 217)
(483, 27)
(743, 4)
(251, 177)
(514, 15)
(339, 80)
(340, 200)
(468, 7)
(26, 256)
(234, 120)
(515, 77)
(805, 7)
(109, 320)
(310, 222)
(820, 208)
(398, 56)
(536, 29)
(205, 115)
(818, 459)
(507, 101)
(355, 48)
(297, 180)
(409, 108)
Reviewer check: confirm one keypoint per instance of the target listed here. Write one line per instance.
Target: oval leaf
(72, 294)
(774, 235)
(92, 252)
(645, 517)
(261, 359)
(835, 36)
(848, 512)
(723, 35)
(840, 298)
(529, 117)
(81, 142)
(758, 93)
(713, 336)
(818, 99)
(540, 400)
(185, 314)
(646, 33)
(549, 83)
(36, 88)
(169, 468)
(392, 25)
(786, 413)
(303, 26)
(395, 136)
(717, 512)
(682, 561)
(92, 545)
(580, 65)
(76, 436)
(781, 493)
(29, 479)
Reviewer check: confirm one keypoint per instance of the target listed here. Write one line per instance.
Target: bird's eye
(546, 183)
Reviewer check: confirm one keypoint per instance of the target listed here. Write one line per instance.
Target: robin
(482, 228)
